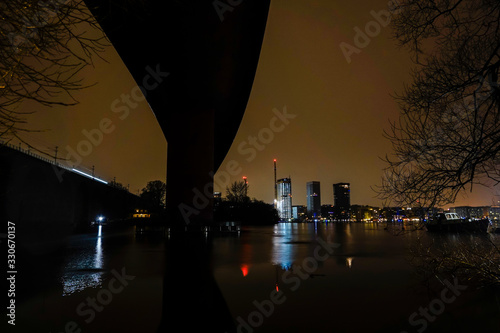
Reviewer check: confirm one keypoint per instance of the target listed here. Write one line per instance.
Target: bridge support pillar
(190, 168)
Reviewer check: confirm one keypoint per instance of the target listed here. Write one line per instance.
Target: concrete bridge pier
(190, 166)
(203, 55)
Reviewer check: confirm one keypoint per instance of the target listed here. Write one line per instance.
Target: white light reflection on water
(98, 250)
(283, 251)
(84, 268)
(348, 261)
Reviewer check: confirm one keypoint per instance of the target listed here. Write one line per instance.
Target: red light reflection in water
(244, 270)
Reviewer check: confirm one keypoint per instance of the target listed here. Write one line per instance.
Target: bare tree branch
(43, 47)
(447, 137)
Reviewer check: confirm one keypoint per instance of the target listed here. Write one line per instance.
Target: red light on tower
(275, 186)
(246, 185)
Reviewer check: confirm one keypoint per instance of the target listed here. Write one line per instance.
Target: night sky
(340, 109)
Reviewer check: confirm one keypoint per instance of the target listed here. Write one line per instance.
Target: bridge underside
(210, 50)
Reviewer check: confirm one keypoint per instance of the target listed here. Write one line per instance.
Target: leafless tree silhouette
(237, 192)
(44, 44)
(447, 137)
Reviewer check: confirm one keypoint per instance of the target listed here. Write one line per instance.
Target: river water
(291, 277)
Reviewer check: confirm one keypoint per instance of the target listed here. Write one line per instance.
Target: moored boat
(451, 222)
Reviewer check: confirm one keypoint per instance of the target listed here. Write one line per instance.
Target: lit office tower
(284, 204)
(313, 199)
(342, 200)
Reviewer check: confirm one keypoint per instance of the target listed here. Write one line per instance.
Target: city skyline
(319, 113)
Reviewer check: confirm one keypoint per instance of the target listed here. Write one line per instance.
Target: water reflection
(292, 242)
(208, 284)
(246, 259)
(98, 250)
(84, 267)
(348, 261)
(382, 282)
(244, 269)
(283, 251)
(191, 296)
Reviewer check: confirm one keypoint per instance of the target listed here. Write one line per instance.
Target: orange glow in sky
(340, 109)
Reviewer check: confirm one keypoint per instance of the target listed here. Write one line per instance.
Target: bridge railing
(43, 158)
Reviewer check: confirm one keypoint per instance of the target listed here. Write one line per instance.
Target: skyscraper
(342, 200)
(313, 199)
(284, 200)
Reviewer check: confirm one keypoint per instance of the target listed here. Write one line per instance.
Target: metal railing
(54, 161)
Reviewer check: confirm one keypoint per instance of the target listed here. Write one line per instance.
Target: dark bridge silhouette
(211, 58)
(210, 55)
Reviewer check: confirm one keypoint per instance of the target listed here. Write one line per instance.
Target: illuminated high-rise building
(284, 198)
(299, 212)
(313, 199)
(342, 200)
